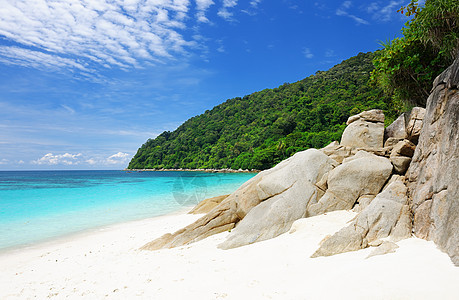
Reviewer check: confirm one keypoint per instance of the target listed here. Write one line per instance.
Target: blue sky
(83, 84)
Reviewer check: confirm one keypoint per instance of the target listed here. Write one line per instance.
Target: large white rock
(415, 121)
(363, 134)
(365, 130)
(287, 192)
(397, 129)
(388, 215)
(364, 174)
(403, 148)
(400, 163)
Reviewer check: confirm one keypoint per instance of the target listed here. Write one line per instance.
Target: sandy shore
(106, 264)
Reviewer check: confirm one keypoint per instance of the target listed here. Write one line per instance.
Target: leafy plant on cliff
(263, 128)
(407, 66)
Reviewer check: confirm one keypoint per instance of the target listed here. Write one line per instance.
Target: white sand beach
(107, 264)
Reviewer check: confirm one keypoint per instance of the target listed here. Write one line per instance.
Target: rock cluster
(366, 172)
(342, 175)
(371, 182)
(282, 194)
(387, 216)
(362, 175)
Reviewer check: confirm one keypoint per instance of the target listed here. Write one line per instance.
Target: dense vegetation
(263, 128)
(407, 66)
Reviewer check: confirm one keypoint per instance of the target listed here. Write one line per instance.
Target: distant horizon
(52, 170)
(89, 88)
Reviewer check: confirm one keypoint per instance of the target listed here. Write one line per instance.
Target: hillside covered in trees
(263, 128)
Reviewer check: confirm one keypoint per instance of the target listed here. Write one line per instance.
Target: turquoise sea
(39, 205)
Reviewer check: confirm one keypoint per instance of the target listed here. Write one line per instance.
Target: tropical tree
(406, 67)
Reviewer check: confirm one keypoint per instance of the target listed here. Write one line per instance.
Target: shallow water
(39, 205)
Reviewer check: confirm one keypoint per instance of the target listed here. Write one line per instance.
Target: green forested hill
(263, 128)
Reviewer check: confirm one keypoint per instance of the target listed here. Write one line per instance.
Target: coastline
(102, 199)
(108, 263)
(194, 170)
(56, 240)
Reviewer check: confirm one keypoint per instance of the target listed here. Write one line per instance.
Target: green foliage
(406, 67)
(263, 128)
(437, 24)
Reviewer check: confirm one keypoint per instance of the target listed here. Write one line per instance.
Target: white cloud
(225, 14)
(92, 161)
(372, 7)
(221, 47)
(358, 20)
(59, 159)
(36, 59)
(118, 158)
(343, 11)
(202, 6)
(224, 10)
(252, 10)
(68, 109)
(307, 53)
(346, 4)
(229, 3)
(82, 35)
(4, 161)
(384, 12)
(254, 3)
(74, 34)
(330, 53)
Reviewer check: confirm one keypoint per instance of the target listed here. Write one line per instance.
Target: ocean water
(40, 205)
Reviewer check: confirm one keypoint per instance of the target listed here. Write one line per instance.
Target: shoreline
(108, 263)
(82, 233)
(194, 170)
(133, 199)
